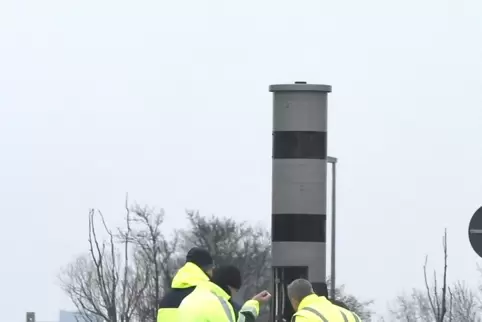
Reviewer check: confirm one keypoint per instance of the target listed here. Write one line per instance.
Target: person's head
(298, 290)
(201, 258)
(228, 277)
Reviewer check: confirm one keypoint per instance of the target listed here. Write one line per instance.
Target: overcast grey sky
(169, 101)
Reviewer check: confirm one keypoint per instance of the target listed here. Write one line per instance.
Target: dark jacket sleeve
(237, 307)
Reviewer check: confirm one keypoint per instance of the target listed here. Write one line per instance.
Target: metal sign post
(333, 161)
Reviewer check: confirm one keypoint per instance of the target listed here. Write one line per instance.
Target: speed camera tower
(299, 189)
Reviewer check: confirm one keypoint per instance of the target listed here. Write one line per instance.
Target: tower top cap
(300, 87)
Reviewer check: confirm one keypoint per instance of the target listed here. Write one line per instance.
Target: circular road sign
(475, 232)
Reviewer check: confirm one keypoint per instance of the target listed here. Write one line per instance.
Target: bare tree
(412, 308)
(437, 298)
(104, 285)
(159, 255)
(465, 304)
(438, 302)
(361, 308)
(122, 278)
(232, 242)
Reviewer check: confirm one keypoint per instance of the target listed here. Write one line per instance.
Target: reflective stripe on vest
(345, 318)
(312, 310)
(226, 308)
(356, 317)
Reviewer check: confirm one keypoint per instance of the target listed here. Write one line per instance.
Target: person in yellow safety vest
(198, 269)
(308, 306)
(348, 315)
(210, 301)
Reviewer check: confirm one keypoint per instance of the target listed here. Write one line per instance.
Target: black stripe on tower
(298, 228)
(299, 145)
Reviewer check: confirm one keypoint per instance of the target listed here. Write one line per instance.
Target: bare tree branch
(361, 308)
(123, 277)
(93, 282)
(444, 287)
(158, 253)
(455, 303)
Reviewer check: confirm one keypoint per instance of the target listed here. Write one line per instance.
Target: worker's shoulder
(174, 297)
(350, 315)
(324, 310)
(343, 309)
(202, 294)
(297, 317)
(200, 302)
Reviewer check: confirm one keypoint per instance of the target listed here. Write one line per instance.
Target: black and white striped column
(299, 182)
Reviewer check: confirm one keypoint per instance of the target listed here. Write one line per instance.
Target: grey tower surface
(299, 186)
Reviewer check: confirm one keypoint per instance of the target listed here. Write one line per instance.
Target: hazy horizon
(169, 102)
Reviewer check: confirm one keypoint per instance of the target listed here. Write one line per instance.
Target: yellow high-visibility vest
(209, 302)
(314, 308)
(183, 283)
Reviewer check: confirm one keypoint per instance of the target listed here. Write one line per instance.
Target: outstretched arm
(249, 312)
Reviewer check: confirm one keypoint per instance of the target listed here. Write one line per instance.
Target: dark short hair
(199, 257)
(227, 275)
